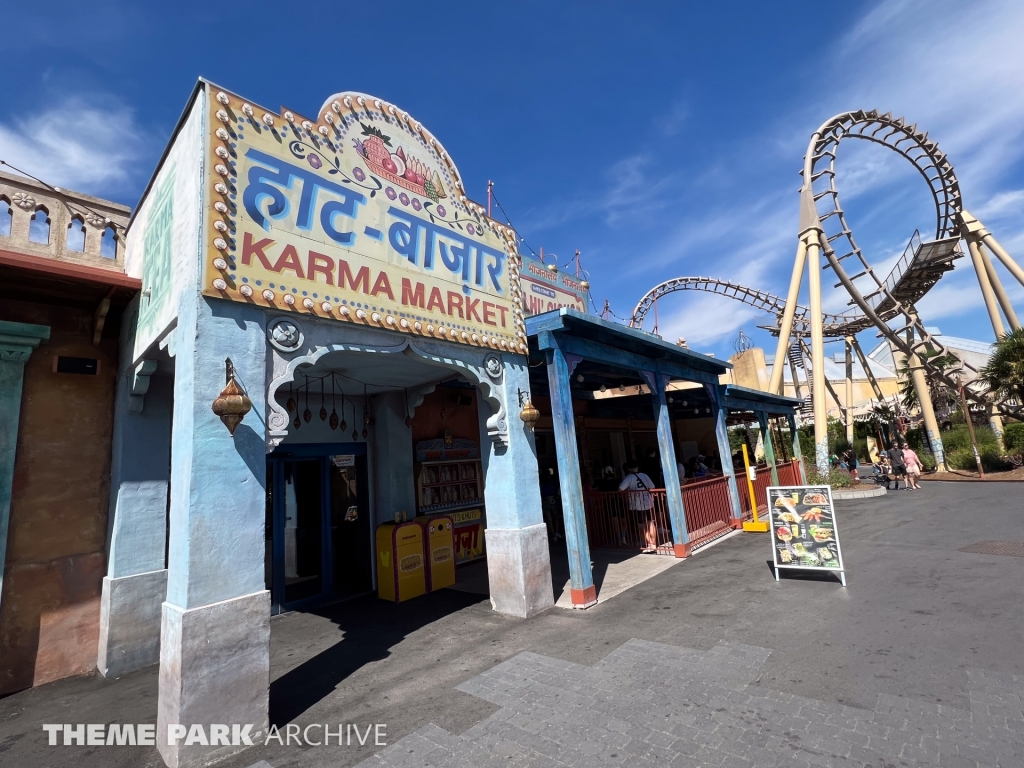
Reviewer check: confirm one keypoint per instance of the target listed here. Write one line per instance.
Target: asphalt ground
(916, 616)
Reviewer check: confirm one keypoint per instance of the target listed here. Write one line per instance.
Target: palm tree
(1004, 373)
(943, 398)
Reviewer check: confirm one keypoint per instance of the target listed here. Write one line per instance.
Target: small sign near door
(344, 460)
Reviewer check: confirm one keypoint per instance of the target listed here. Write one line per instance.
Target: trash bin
(439, 541)
(400, 567)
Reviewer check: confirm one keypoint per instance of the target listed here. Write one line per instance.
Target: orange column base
(681, 550)
(583, 598)
(736, 523)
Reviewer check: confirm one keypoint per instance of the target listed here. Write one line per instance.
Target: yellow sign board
(359, 216)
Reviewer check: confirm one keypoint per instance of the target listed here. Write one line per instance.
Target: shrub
(959, 439)
(1013, 438)
(927, 461)
(963, 460)
(835, 478)
(915, 439)
(860, 447)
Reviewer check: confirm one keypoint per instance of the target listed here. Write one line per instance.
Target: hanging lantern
(307, 415)
(365, 433)
(334, 407)
(323, 408)
(408, 421)
(297, 422)
(529, 414)
(355, 435)
(291, 405)
(344, 424)
(232, 404)
(323, 413)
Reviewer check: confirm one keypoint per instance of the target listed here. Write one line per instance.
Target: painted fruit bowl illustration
(398, 167)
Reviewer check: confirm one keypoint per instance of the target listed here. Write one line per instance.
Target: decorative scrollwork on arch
(431, 353)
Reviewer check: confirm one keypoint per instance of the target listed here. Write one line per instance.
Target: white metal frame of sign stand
(835, 529)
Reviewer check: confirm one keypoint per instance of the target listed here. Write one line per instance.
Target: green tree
(943, 398)
(1004, 373)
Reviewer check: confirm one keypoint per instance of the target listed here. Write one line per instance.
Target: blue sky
(659, 139)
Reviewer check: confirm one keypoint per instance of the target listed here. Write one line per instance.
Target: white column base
(214, 669)
(130, 622)
(519, 570)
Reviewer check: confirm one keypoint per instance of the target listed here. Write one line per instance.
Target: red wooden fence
(640, 520)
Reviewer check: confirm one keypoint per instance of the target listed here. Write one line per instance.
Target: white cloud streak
(92, 146)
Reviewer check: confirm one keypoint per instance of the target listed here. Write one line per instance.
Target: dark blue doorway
(318, 528)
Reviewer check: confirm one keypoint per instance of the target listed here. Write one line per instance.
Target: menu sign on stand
(803, 529)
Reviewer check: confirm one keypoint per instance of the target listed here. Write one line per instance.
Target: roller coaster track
(836, 325)
(886, 303)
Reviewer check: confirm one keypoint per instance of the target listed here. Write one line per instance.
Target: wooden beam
(70, 270)
(597, 352)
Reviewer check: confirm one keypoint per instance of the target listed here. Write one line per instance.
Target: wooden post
(798, 455)
(970, 431)
(581, 578)
(719, 412)
(669, 469)
(769, 449)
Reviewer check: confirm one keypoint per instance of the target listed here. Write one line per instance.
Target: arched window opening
(39, 226)
(6, 216)
(108, 245)
(76, 235)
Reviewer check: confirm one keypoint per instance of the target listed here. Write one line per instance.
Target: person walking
(913, 464)
(639, 500)
(850, 460)
(899, 467)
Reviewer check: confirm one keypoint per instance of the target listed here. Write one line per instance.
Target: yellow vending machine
(439, 538)
(400, 571)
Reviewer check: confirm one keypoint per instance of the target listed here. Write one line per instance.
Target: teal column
(581, 578)
(669, 467)
(769, 448)
(797, 454)
(215, 622)
(17, 340)
(518, 556)
(720, 413)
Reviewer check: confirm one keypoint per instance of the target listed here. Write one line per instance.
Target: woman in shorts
(913, 463)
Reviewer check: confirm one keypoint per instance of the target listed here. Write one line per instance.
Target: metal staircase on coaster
(887, 304)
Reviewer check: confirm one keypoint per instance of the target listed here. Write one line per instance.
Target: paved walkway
(651, 704)
(918, 662)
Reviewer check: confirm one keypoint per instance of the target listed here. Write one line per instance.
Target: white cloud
(1002, 205)
(671, 123)
(91, 146)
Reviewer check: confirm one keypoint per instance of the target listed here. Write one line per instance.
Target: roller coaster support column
(971, 224)
(924, 397)
(985, 278)
(997, 286)
(848, 409)
(775, 384)
(817, 350)
(986, 286)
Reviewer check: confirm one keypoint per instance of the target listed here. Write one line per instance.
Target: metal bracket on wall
(138, 383)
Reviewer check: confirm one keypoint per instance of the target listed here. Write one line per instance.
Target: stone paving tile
(650, 704)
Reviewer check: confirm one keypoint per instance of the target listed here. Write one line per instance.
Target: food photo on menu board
(803, 528)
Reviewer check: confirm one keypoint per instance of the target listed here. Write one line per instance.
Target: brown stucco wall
(49, 612)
